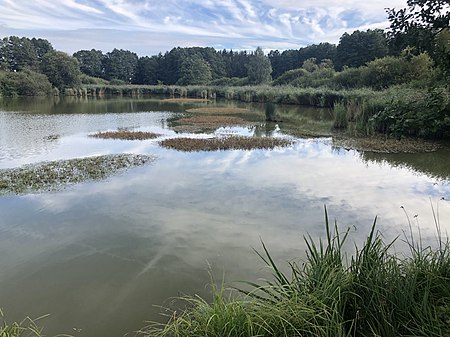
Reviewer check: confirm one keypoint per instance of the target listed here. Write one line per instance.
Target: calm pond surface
(101, 257)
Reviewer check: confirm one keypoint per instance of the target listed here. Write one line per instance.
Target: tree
(41, 47)
(424, 25)
(18, 53)
(120, 64)
(147, 70)
(91, 62)
(358, 48)
(61, 69)
(259, 68)
(195, 70)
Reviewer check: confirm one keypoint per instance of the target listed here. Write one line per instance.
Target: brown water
(102, 257)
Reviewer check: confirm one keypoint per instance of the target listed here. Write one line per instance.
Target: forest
(412, 56)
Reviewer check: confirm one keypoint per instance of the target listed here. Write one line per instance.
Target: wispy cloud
(236, 24)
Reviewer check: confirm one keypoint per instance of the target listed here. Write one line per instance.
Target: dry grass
(219, 110)
(126, 135)
(186, 100)
(224, 143)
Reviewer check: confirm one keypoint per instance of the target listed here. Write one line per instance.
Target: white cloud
(233, 24)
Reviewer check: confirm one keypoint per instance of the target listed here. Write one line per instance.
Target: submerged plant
(126, 135)
(48, 176)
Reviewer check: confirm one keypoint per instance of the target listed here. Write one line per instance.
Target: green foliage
(340, 116)
(147, 70)
(194, 70)
(61, 69)
(418, 24)
(421, 115)
(85, 79)
(24, 83)
(290, 76)
(120, 64)
(91, 62)
(259, 68)
(25, 328)
(358, 48)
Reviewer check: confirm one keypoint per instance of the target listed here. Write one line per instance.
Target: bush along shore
(373, 292)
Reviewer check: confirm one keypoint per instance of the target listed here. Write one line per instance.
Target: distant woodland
(415, 48)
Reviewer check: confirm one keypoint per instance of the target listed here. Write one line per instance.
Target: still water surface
(101, 257)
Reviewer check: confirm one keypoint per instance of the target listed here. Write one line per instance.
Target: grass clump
(24, 328)
(126, 135)
(224, 143)
(372, 292)
(49, 176)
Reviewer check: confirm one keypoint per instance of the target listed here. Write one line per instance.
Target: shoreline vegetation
(371, 292)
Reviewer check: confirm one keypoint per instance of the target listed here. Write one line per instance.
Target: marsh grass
(26, 328)
(49, 176)
(126, 135)
(371, 292)
(224, 143)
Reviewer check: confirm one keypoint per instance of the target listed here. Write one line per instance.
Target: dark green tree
(41, 47)
(61, 69)
(358, 48)
(195, 70)
(120, 64)
(424, 25)
(259, 68)
(18, 53)
(147, 70)
(91, 62)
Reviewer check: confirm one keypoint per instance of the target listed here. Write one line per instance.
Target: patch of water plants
(53, 175)
(224, 143)
(371, 292)
(126, 135)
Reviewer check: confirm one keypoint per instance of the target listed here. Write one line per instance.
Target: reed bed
(126, 135)
(224, 143)
(371, 292)
(49, 176)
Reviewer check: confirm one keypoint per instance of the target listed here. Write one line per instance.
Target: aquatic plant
(49, 176)
(126, 135)
(218, 110)
(224, 143)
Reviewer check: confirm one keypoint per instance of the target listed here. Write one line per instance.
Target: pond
(102, 256)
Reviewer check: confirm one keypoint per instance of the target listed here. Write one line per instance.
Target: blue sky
(148, 27)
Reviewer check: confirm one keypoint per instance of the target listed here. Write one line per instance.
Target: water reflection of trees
(435, 164)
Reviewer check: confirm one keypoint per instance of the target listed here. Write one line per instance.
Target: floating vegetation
(219, 110)
(387, 145)
(224, 143)
(51, 176)
(126, 135)
(186, 100)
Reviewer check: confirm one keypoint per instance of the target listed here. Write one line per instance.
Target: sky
(148, 27)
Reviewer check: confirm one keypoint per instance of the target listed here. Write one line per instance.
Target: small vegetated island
(382, 86)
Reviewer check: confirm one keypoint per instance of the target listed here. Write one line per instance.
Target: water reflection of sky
(136, 239)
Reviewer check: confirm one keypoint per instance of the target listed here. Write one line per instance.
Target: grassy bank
(373, 292)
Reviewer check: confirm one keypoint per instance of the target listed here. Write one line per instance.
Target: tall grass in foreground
(373, 292)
